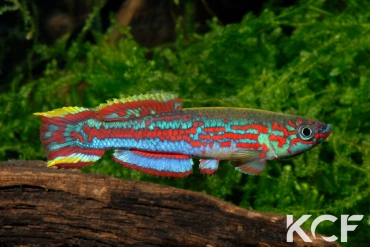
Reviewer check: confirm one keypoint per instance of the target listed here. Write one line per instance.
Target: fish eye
(305, 132)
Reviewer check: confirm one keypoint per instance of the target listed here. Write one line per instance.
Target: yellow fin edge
(74, 158)
(61, 112)
(161, 97)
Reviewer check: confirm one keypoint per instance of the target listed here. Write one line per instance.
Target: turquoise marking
(94, 123)
(290, 128)
(140, 126)
(55, 146)
(299, 147)
(113, 115)
(291, 137)
(249, 141)
(186, 125)
(277, 132)
(279, 151)
(51, 129)
(80, 131)
(263, 139)
(176, 105)
(248, 131)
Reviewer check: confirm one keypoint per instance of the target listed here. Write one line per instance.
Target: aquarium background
(309, 58)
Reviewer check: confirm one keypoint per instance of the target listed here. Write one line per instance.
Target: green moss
(310, 60)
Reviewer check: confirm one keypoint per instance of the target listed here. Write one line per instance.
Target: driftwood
(51, 207)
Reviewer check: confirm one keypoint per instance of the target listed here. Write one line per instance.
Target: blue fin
(208, 166)
(160, 164)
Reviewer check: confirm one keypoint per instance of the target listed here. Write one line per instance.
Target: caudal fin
(63, 140)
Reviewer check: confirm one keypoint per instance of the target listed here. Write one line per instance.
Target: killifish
(153, 134)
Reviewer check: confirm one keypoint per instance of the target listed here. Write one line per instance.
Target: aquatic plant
(311, 59)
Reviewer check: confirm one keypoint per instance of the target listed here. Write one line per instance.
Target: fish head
(306, 134)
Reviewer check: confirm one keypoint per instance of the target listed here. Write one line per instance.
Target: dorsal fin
(137, 106)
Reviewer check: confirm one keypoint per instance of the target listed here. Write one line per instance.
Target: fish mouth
(324, 130)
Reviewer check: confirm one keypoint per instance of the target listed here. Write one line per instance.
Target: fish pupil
(306, 132)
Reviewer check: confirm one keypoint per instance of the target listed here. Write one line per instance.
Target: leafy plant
(311, 59)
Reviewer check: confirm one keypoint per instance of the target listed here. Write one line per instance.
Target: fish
(153, 134)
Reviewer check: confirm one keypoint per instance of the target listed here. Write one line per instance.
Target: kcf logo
(344, 227)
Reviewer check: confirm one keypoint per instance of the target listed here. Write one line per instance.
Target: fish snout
(324, 130)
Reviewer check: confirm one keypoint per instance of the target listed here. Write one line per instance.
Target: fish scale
(153, 134)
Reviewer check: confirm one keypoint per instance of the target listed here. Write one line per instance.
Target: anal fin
(208, 166)
(160, 164)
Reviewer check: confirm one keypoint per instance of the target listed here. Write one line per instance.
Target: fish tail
(64, 141)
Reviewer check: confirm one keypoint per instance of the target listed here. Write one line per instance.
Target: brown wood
(152, 22)
(52, 207)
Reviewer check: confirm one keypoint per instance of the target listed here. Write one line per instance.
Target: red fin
(137, 106)
(61, 140)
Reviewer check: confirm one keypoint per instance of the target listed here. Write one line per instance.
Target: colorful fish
(153, 134)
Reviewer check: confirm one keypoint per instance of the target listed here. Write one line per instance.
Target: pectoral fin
(248, 161)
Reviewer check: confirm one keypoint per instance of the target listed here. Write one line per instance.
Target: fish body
(153, 134)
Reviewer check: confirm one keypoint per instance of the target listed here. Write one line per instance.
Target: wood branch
(152, 22)
(51, 207)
